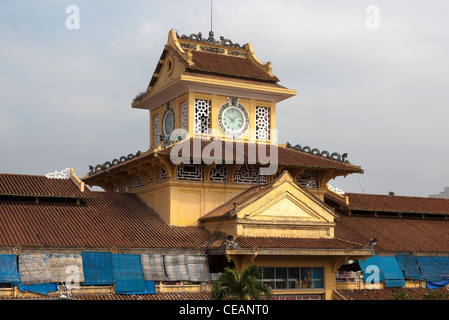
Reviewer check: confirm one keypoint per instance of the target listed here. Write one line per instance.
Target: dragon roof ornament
(198, 37)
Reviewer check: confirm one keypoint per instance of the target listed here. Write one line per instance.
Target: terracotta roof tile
(395, 234)
(240, 67)
(157, 296)
(374, 202)
(241, 151)
(39, 186)
(385, 294)
(284, 242)
(104, 220)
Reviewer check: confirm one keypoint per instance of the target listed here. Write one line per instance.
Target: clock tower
(212, 112)
(211, 88)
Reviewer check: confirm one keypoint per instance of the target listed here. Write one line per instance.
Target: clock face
(169, 122)
(233, 119)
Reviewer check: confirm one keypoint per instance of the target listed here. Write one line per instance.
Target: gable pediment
(286, 206)
(284, 209)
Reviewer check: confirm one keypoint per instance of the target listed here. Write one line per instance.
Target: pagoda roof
(197, 150)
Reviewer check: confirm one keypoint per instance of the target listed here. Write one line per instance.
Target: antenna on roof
(211, 30)
(361, 185)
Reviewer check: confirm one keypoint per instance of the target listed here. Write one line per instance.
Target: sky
(371, 77)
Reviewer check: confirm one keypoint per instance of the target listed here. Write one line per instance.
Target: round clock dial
(169, 122)
(233, 119)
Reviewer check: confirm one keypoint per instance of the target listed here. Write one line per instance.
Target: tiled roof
(239, 154)
(242, 151)
(104, 220)
(395, 234)
(223, 65)
(374, 202)
(229, 205)
(385, 294)
(127, 297)
(283, 242)
(39, 186)
(157, 296)
(240, 67)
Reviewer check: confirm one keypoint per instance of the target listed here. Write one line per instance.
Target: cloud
(380, 95)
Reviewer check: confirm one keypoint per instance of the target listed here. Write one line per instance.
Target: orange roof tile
(375, 202)
(104, 220)
(395, 234)
(39, 186)
(284, 242)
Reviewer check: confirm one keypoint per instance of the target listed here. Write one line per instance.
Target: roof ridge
(394, 196)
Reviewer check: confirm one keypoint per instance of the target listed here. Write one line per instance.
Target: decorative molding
(262, 123)
(110, 164)
(64, 174)
(202, 116)
(193, 172)
(316, 152)
(307, 179)
(219, 173)
(198, 37)
(249, 174)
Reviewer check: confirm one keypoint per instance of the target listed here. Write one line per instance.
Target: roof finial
(211, 38)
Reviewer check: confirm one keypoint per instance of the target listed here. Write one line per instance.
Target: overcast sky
(372, 79)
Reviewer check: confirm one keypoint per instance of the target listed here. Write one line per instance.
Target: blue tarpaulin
(128, 274)
(429, 268)
(392, 273)
(42, 288)
(443, 266)
(371, 270)
(382, 269)
(409, 266)
(97, 268)
(437, 284)
(9, 272)
(149, 289)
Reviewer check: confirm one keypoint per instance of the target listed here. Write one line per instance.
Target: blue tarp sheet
(371, 270)
(128, 274)
(429, 268)
(392, 273)
(382, 269)
(9, 272)
(97, 268)
(437, 284)
(409, 266)
(42, 288)
(443, 266)
(149, 289)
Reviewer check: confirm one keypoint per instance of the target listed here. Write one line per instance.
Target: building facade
(214, 189)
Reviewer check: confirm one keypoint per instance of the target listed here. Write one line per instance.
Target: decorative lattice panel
(114, 188)
(249, 174)
(125, 188)
(308, 179)
(202, 116)
(156, 129)
(136, 182)
(190, 172)
(150, 180)
(262, 123)
(184, 115)
(219, 173)
(162, 175)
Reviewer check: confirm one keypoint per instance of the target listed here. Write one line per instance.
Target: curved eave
(214, 85)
